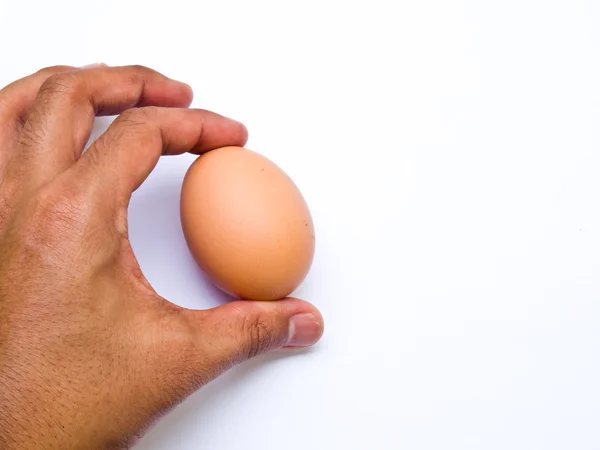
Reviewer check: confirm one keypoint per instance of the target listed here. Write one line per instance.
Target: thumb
(243, 329)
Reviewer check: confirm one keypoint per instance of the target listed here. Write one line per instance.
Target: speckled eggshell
(246, 224)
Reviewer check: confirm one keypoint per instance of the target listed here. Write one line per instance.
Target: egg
(246, 224)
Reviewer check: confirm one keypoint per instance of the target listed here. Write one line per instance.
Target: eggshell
(246, 224)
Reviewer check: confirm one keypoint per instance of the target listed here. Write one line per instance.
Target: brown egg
(246, 224)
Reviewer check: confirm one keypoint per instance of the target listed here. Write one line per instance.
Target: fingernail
(305, 330)
(93, 66)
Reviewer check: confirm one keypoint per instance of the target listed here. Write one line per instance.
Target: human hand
(90, 354)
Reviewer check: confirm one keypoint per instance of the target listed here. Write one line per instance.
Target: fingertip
(181, 95)
(243, 132)
(242, 329)
(217, 131)
(305, 330)
(237, 132)
(188, 93)
(306, 325)
(305, 321)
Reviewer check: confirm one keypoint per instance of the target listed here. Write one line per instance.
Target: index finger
(123, 157)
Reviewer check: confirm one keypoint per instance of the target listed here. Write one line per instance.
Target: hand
(90, 355)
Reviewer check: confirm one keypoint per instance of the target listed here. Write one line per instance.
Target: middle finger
(59, 122)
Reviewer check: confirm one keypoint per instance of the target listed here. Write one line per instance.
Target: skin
(90, 354)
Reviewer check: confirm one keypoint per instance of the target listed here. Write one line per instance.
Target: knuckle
(258, 338)
(61, 85)
(51, 70)
(132, 118)
(137, 74)
(139, 68)
(139, 71)
(130, 121)
(142, 122)
(140, 116)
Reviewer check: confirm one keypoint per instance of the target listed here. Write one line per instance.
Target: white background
(450, 153)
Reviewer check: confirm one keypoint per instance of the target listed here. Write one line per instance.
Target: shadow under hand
(159, 245)
(195, 411)
(99, 127)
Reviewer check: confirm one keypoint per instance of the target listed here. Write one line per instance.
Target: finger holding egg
(246, 224)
